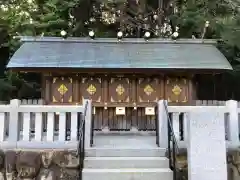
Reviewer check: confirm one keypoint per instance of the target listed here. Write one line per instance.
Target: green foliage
(53, 16)
(224, 18)
(193, 14)
(231, 31)
(31, 18)
(14, 86)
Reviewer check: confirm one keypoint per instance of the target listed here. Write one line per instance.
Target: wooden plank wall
(133, 118)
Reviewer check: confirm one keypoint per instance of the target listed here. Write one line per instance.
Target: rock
(10, 176)
(66, 159)
(46, 174)
(10, 161)
(46, 165)
(47, 157)
(28, 164)
(69, 174)
(2, 160)
(233, 160)
(1, 176)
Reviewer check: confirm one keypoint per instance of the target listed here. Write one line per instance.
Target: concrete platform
(128, 174)
(125, 152)
(125, 139)
(125, 162)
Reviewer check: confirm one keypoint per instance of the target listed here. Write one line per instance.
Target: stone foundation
(233, 163)
(41, 165)
(63, 164)
(233, 160)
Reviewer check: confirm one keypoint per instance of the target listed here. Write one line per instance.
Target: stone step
(128, 174)
(132, 132)
(125, 162)
(125, 152)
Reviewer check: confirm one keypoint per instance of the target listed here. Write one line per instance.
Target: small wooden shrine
(123, 78)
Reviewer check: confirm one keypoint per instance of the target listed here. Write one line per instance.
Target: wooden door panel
(119, 90)
(176, 90)
(133, 118)
(119, 122)
(148, 90)
(62, 90)
(91, 88)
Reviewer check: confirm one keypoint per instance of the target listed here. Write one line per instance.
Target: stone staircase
(122, 163)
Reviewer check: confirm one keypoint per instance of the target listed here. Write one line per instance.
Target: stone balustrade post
(88, 122)
(14, 121)
(233, 125)
(162, 125)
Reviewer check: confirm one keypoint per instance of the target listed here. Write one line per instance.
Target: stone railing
(42, 126)
(180, 116)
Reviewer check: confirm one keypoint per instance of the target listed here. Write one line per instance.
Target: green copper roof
(109, 53)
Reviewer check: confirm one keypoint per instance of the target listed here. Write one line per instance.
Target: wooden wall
(135, 92)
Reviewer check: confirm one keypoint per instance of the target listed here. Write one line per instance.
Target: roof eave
(114, 40)
(72, 69)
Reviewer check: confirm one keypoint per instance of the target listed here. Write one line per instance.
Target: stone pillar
(185, 126)
(88, 122)
(162, 125)
(234, 165)
(176, 124)
(13, 121)
(206, 146)
(233, 125)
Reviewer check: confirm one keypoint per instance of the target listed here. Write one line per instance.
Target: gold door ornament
(54, 99)
(148, 90)
(185, 99)
(91, 89)
(176, 90)
(120, 89)
(62, 89)
(70, 99)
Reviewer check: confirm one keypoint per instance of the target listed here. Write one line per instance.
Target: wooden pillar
(105, 101)
(76, 91)
(134, 90)
(192, 90)
(105, 89)
(161, 87)
(47, 94)
(134, 95)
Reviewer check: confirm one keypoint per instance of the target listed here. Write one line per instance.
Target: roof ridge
(115, 40)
